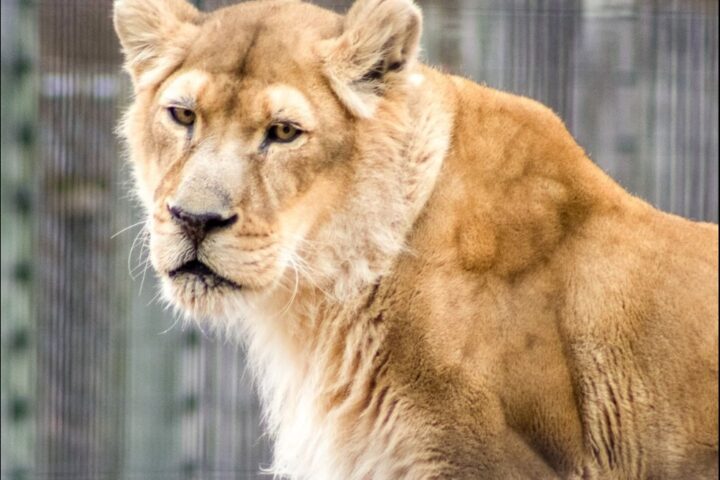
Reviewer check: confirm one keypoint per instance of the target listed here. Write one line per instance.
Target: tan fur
(436, 281)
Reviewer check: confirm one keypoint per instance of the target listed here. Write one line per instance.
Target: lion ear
(155, 36)
(379, 44)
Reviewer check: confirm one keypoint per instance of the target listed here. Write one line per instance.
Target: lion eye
(283, 133)
(183, 116)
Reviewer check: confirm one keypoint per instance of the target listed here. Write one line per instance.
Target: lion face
(246, 169)
(244, 136)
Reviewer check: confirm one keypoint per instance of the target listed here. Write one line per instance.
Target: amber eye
(283, 133)
(183, 116)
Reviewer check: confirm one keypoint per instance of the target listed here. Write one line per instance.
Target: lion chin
(201, 295)
(204, 294)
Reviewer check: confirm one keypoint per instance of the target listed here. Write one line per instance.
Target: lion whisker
(127, 228)
(142, 281)
(143, 231)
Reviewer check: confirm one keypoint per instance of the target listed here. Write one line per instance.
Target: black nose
(197, 225)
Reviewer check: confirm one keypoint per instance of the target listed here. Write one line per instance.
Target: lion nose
(197, 225)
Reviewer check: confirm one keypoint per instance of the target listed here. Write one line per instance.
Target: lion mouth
(202, 272)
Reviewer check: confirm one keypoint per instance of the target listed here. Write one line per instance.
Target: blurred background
(98, 382)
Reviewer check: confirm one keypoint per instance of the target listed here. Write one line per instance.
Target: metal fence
(98, 382)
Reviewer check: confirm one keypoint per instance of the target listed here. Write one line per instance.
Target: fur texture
(431, 278)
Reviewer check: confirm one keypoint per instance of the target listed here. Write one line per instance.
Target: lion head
(277, 146)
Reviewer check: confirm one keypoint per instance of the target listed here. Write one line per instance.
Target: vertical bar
(80, 327)
(18, 142)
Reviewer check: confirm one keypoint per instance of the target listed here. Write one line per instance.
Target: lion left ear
(379, 44)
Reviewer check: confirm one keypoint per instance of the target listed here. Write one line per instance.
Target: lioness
(432, 279)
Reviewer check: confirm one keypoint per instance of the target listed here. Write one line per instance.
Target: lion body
(470, 296)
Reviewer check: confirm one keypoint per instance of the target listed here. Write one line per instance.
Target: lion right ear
(379, 45)
(155, 36)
